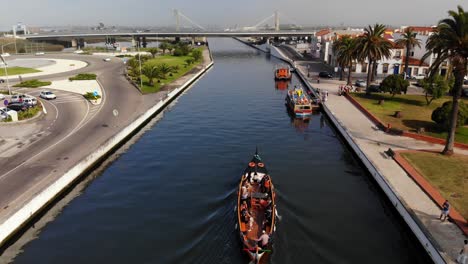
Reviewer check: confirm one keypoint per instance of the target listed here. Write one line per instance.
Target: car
(2, 96)
(78, 51)
(106, 59)
(465, 92)
(419, 76)
(5, 112)
(374, 88)
(30, 101)
(2, 80)
(5, 54)
(47, 95)
(360, 83)
(18, 106)
(40, 53)
(18, 98)
(325, 75)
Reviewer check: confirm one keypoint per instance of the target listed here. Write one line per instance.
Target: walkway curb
(421, 233)
(432, 192)
(20, 218)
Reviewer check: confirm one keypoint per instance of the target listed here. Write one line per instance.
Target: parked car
(2, 96)
(18, 98)
(18, 106)
(360, 83)
(374, 88)
(5, 54)
(47, 95)
(419, 76)
(2, 80)
(325, 75)
(465, 92)
(78, 51)
(40, 53)
(106, 59)
(30, 101)
(5, 112)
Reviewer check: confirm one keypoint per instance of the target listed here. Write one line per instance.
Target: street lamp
(139, 60)
(6, 74)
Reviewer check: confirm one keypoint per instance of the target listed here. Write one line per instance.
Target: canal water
(170, 197)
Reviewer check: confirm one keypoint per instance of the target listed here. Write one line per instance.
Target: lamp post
(6, 74)
(139, 60)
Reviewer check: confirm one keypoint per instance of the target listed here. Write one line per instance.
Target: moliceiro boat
(283, 73)
(256, 210)
(299, 102)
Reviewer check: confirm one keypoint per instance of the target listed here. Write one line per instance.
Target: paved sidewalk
(374, 142)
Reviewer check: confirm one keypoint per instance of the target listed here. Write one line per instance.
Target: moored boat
(256, 210)
(299, 102)
(283, 73)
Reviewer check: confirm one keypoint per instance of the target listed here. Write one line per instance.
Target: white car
(5, 112)
(419, 76)
(78, 51)
(2, 96)
(30, 101)
(106, 59)
(47, 95)
(5, 54)
(39, 53)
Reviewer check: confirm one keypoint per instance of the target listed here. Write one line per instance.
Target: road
(71, 130)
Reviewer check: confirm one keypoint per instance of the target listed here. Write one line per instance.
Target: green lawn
(17, 71)
(449, 175)
(416, 113)
(171, 61)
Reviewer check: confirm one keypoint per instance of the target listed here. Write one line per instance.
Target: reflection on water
(170, 197)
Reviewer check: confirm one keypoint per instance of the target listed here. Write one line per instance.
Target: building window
(385, 68)
(398, 54)
(416, 71)
(412, 54)
(364, 67)
(424, 71)
(353, 68)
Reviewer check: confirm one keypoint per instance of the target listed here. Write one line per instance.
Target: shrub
(435, 86)
(83, 76)
(29, 113)
(32, 84)
(441, 115)
(91, 96)
(394, 84)
(197, 54)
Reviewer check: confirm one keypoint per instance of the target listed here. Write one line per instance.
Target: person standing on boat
(245, 193)
(263, 240)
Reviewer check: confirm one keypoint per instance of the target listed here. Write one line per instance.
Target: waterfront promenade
(373, 142)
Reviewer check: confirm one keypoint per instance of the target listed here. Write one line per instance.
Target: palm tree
(164, 46)
(151, 72)
(153, 51)
(164, 69)
(409, 41)
(345, 49)
(373, 47)
(450, 42)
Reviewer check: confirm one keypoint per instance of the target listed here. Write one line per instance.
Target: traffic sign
(5, 102)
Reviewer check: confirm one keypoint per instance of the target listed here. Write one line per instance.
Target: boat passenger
(244, 206)
(245, 216)
(245, 193)
(266, 184)
(263, 240)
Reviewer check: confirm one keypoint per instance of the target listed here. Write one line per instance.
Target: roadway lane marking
(49, 147)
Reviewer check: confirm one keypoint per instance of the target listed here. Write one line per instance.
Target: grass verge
(415, 113)
(448, 174)
(30, 113)
(32, 84)
(18, 71)
(83, 77)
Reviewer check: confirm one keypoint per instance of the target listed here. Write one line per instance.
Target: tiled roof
(322, 32)
(414, 62)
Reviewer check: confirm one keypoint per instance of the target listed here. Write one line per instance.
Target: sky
(222, 13)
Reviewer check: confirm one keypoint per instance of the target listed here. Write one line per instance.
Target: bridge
(198, 31)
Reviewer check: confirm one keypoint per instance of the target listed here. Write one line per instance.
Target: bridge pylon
(277, 21)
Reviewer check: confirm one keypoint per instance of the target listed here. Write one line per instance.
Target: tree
(373, 47)
(153, 51)
(164, 46)
(151, 72)
(197, 54)
(164, 69)
(449, 42)
(409, 41)
(394, 84)
(345, 49)
(133, 67)
(189, 61)
(435, 86)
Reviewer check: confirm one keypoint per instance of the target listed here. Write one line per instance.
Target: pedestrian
(318, 79)
(445, 211)
(463, 256)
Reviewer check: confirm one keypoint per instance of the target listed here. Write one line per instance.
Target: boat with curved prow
(256, 210)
